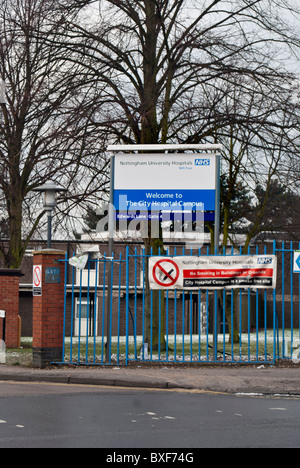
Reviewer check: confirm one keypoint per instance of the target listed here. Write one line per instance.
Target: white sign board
(297, 261)
(213, 272)
(2, 314)
(2, 352)
(37, 280)
(164, 182)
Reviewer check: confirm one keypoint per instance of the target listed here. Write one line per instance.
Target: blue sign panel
(163, 216)
(52, 275)
(162, 200)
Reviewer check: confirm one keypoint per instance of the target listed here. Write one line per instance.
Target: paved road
(35, 415)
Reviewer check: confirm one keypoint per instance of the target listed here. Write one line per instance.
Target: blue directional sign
(297, 261)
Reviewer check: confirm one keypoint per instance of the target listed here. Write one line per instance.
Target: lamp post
(50, 190)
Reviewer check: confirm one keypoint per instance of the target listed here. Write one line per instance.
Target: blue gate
(113, 318)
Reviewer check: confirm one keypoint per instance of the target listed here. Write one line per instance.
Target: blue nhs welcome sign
(164, 182)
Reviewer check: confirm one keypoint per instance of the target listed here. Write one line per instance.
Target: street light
(50, 190)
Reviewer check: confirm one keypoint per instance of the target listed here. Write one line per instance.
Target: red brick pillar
(48, 307)
(9, 302)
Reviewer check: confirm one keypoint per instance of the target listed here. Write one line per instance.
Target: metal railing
(113, 318)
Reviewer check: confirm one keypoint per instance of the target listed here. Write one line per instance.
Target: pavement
(231, 379)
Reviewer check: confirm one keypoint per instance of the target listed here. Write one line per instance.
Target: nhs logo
(202, 162)
(264, 261)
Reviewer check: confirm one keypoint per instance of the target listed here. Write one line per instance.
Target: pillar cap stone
(49, 252)
(10, 272)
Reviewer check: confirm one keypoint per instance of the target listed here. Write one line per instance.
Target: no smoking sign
(165, 273)
(37, 280)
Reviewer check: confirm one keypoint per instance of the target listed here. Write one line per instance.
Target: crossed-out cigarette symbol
(165, 273)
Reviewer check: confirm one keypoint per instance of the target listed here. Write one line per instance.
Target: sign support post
(111, 231)
(2, 342)
(216, 248)
(3, 316)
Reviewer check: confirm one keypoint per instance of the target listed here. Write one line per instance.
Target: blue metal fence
(112, 318)
(287, 317)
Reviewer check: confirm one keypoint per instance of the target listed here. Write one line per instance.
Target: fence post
(48, 307)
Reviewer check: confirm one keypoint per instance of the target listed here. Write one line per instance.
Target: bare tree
(177, 71)
(45, 122)
(261, 143)
(171, 68)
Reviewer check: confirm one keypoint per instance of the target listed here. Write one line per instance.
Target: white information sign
(213, 272)
(164, 182)
(297, 261)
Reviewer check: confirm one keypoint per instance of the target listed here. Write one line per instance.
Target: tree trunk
(154, 300)
(155, 304)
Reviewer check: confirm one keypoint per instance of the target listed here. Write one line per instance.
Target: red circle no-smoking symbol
(37, 276)
(165, 273)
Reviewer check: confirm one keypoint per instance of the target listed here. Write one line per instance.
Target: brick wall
(48, 311)
(9, 302)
